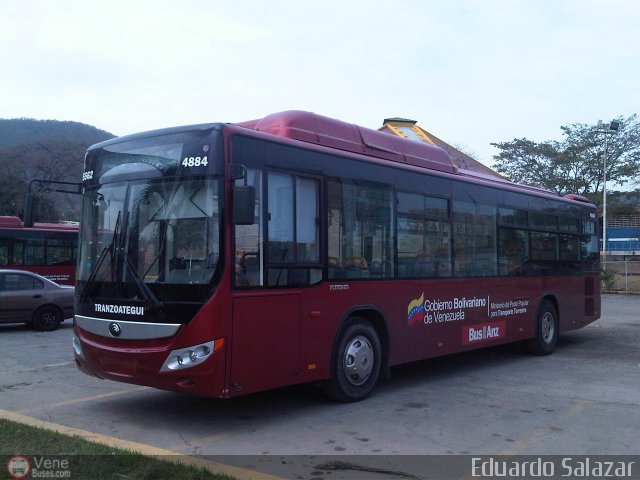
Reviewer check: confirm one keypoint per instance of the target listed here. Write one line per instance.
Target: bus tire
(47, 318)
(357, 361)
(546, 330)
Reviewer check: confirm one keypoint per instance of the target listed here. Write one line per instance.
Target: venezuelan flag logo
(415, 310)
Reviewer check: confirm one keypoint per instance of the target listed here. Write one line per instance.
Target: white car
(27, 297)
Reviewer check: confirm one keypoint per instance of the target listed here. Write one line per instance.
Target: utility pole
(606, 129)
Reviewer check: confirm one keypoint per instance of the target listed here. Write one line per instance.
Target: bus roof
(313, 128)
(329, 132)
(310, 127)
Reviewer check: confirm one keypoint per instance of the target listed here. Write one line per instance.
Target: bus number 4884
(195, 162)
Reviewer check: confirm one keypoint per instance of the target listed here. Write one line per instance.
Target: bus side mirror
(244, 205)
(30, 206)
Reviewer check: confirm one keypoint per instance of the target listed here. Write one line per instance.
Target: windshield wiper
(111, 248)
(148, 294)
(117, 252)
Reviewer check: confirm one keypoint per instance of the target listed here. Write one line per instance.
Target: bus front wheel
(356, 364)
(546, 330)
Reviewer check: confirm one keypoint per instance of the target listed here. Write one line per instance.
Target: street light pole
(606, 129)
(604, 204)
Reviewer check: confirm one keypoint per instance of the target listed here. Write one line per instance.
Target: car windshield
(154, 240)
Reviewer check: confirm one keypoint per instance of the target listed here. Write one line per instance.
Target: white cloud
(470, 71)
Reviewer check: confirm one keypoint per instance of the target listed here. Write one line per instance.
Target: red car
(26, 297)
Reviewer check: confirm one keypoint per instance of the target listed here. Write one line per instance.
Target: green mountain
(28, 130)
(44, 150)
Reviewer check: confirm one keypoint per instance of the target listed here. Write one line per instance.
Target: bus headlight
(77, 348)
(190, 356)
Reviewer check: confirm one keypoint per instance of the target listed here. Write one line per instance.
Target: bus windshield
(141, 240)
(147, 237)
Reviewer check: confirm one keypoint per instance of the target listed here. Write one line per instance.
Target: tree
(55, 159)
(44, 150)
(575, 164)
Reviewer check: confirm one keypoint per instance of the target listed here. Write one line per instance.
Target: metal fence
(621, 276)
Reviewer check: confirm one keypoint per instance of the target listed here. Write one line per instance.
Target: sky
(471, 72)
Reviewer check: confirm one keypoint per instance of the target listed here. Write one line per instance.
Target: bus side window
(513, 251)
(474, 239)
(360, 230)
(4, 252)
(293, 230)
(423, 236)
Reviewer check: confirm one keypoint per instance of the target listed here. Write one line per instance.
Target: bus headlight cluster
(190, 356)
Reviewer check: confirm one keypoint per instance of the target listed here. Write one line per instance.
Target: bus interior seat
(189, 276)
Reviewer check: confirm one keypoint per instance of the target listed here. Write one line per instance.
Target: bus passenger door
(269, 275)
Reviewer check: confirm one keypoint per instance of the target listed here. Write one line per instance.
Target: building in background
(623, 235)
(406, 128)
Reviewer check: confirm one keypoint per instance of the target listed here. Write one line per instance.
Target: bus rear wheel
(546, 330)
(355, 368)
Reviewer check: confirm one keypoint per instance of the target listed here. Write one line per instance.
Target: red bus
(224, 259)
(48, 249)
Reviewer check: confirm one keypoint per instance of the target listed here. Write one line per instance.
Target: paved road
(583, 399)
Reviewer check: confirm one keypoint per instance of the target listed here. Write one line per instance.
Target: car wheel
(47, 318)
(356, 366)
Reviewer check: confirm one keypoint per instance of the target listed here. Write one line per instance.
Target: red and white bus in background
(224, 259)
(48, 249)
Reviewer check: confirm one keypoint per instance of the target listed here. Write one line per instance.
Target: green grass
(89, 459)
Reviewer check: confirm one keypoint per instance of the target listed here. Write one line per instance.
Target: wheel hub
(358, 360)
(548, 326)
